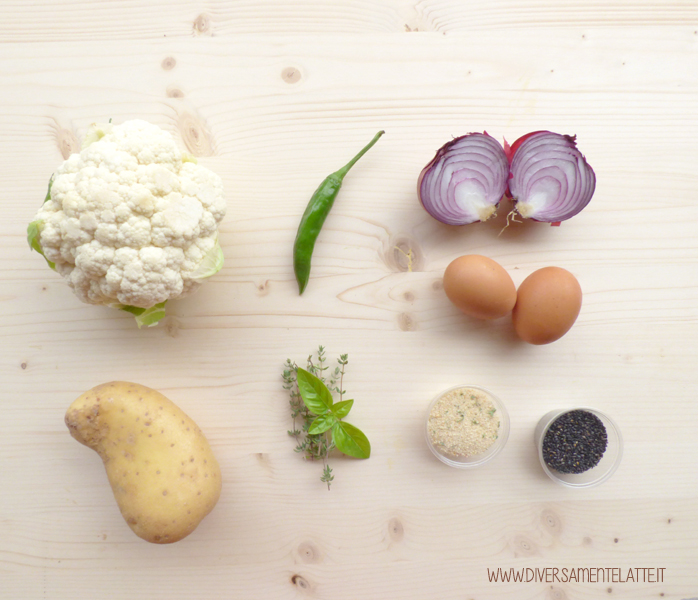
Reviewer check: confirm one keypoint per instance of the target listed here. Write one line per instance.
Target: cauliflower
(131, 221)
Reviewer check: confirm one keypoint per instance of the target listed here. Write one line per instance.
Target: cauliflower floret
(130, 220)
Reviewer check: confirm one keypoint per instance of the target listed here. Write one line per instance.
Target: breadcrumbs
(463, 422)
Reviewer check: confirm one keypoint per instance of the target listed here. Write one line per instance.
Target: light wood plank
(50, 20)
(273, 96)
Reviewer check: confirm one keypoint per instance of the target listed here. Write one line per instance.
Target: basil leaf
(315, 394)
(322, 424)
(341, 409)
(351, 440)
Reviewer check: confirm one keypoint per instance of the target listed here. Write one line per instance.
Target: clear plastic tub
(477, 460)
(602, 471)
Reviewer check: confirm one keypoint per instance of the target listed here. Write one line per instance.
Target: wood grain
(129, 19)
(273, 96)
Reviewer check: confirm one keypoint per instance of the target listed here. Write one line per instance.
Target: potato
(161, 469)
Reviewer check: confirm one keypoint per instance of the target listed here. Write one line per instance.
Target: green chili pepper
(315, 214)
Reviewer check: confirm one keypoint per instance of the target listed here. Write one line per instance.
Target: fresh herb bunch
(321, 428)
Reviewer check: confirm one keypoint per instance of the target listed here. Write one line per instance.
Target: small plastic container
(596, 475)
(477, 460)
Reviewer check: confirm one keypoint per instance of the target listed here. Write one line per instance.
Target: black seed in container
(575, 442)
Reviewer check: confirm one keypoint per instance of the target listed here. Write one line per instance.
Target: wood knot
(396, 530)
(556, 593)
(309, 553)
(174, 92)
(202, 25)
(263, 288)
(171, 325)
(291, 75)
(523, 546)
(168, 63)
(403, 255)
(24, 365)
(406, 322)
(551, 521)
(67, 142)
(300, 581)
(194, 135)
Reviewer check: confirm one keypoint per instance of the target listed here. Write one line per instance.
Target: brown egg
(480, 287)
(547, 305)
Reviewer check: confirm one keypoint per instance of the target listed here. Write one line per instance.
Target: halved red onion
(465, 181)
(550, 179)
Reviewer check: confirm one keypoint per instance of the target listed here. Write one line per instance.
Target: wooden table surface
(273, 95)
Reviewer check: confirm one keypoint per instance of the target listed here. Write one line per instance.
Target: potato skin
(162, 471)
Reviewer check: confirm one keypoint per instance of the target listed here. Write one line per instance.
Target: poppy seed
(575, 442)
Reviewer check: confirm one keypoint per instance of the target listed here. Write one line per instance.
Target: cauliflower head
(131, 221)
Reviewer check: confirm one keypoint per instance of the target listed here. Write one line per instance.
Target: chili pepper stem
(345, 169)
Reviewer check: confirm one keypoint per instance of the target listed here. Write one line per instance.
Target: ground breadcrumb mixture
(463, 422)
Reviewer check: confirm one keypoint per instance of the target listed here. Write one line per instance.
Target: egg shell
(479, 287)
(547, 305)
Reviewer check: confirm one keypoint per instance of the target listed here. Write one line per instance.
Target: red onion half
(465, 181)
(550, 179)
